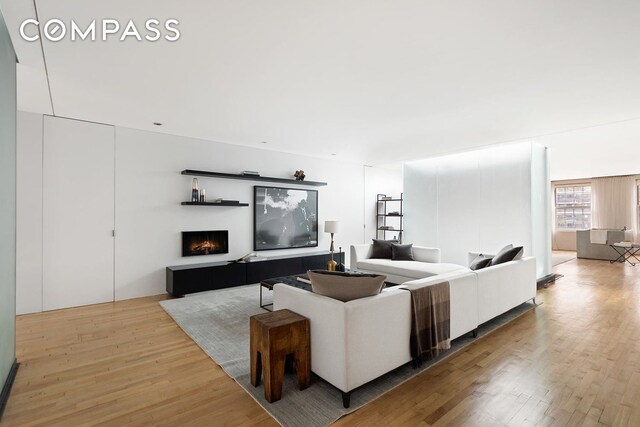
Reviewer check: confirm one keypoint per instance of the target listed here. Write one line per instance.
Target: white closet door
(78, 213)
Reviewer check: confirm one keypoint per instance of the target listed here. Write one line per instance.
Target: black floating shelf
(391, 215)
(213, 204)
(389, 229)
(251, 177)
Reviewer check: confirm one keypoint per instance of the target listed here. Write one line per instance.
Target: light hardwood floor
(575, 360)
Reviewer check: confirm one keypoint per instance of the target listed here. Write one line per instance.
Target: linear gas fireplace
(205, 242)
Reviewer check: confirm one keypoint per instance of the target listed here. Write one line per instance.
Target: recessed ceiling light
(264, 142)
(333, 154)
(157, 124)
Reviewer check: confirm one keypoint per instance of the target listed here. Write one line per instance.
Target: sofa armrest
(359, 253)
(353, 342)
(378, 332)
(504, 286)
(328, 335)
(425, 254)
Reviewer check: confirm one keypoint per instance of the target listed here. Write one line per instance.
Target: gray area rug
(558, 258)
(218, 321)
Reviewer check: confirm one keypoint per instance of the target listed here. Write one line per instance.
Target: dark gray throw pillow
(480, 262)
(382, 249)
(507, 255)
(402, 252)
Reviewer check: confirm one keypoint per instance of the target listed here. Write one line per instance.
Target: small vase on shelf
(195, 197)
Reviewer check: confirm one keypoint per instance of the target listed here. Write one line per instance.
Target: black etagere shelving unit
(390, 217)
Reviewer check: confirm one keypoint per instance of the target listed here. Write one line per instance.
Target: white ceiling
(374, 81)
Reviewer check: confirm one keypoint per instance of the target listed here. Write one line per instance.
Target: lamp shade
(331, 226)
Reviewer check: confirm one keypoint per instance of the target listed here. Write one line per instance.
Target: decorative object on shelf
(194, 190)
(284, 218)
(341, 266)
(332, 228)
(203, 196)
(251, 177)
(389, 207)
(251, 173)
(299, 175)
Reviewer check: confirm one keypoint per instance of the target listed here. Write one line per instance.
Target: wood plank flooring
(574, 361)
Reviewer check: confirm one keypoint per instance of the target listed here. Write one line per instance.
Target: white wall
(608, 150)
(78, 213)
(541, 212)
(29, 214)
(148, 215)
(378, 181)
(479, 201)
(149, 189)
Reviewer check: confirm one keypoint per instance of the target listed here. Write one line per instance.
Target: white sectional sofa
(355, 342)
(428, 262)
(504, 286)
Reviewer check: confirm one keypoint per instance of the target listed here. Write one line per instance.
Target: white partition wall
(541, 208)
(480, 201)
(7, 209)
(29, 214)
(78, 213)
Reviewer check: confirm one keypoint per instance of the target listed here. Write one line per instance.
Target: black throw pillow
(402, 252)
(480, 262)
(507, 255)
(382, 249)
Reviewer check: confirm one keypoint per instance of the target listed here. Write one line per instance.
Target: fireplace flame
(205, 247)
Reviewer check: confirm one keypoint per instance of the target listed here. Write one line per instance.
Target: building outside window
(573, 207)
(638, 205)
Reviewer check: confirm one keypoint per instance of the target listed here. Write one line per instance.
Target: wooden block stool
(275, 335)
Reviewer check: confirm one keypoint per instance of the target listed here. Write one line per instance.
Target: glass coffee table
(287, 280)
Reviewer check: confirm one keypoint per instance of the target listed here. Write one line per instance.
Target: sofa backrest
(420, 253)
(583, 237)
(425, 254)
(473, 255)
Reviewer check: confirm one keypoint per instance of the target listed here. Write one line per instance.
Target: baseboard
(545, 281)
(6, 390)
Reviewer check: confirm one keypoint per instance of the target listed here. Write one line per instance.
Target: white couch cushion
(415, 269)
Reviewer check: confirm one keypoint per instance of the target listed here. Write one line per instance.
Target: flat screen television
(205, 242)
(284, 218)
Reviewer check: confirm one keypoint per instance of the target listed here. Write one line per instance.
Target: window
(573, 207)
(638, 203)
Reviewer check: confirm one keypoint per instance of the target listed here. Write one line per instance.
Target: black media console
(187, 279)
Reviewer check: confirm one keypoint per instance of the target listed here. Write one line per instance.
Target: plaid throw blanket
(430, 329)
